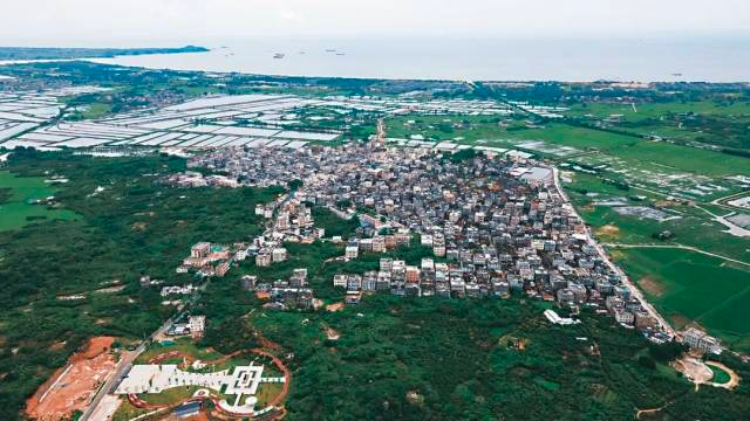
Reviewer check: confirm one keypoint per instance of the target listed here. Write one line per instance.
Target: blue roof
(188, 408)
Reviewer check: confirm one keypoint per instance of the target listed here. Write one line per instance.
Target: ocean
(569, 60)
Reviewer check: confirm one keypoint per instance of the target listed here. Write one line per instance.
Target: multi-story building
(699, 340)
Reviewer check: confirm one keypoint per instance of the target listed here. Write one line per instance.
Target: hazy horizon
(92, 23)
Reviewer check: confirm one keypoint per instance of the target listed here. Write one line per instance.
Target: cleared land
(71, 388)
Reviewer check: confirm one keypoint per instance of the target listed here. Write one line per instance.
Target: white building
(556, 319)
(340, 281)
(197, 325)
(352, 252)
(698, 339)
(279, 254)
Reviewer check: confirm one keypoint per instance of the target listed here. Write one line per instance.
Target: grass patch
(170, 396)
(17, 195)
(720, 376)
(183, 345)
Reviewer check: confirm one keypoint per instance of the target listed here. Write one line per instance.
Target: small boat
(279, 56)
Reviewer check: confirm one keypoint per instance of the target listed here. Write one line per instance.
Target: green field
(720, 376)
(683, 158)
(689, 287)
(686, 286)
(17, 211)
(170, 396)
(488, 131)
(718, 122)
(183, 345)
(93, 111)
(694, 228)
(656, 110)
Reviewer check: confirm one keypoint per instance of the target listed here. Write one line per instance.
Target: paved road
(126, 361)
(734, 229)
(665, 326)
(380, 138)
(722, 201)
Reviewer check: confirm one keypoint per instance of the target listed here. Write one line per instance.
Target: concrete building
(699, 340)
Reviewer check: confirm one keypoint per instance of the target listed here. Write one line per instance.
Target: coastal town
(430, 216)
(496, 225)
(374, 210)
(486, 223)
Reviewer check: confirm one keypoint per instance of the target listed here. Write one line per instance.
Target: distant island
(36, 53)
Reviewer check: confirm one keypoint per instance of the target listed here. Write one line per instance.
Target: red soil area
(72, 387)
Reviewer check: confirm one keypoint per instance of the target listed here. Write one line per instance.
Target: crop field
(497, 131)
(683, 159)
(599, 203)
(465, 129)
(721, 123)
(692, 288)
(17, 211)
(656, 110)
(686, 172)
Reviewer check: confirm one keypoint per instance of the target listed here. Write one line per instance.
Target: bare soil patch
(610, 231)
(139, 226)
(335, 307)
(71, 388)
(679, 321)
(651, 286)
(332, 334)
(694, 369)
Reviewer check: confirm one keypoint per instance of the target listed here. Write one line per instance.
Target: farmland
(652, 206)
(720, 122)
(692, 288)
(601, 204)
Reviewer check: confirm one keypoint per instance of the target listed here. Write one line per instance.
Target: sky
(177, 22)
